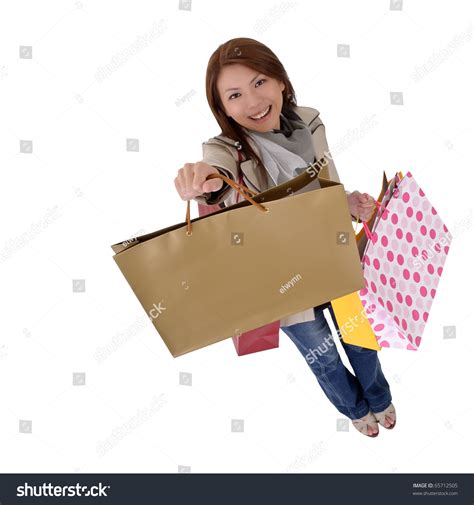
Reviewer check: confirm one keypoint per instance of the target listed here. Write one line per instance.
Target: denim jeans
(352, 396)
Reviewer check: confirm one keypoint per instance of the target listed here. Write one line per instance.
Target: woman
(254, 103)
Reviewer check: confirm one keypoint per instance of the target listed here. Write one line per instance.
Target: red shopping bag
(259, 339)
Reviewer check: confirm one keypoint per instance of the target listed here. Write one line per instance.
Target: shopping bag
(403, 264)
(352, 320)
(259, 339)
(351, 315)
(244, 266)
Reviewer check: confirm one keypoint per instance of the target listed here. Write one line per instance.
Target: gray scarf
(285, 152)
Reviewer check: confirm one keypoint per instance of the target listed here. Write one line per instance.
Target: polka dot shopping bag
(403, 263)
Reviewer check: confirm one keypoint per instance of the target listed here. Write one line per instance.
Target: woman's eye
(261, 80)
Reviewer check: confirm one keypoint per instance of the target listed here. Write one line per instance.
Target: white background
(131, 414)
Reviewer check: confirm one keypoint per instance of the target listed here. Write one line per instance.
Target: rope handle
(242, 190)
(364, 224)
(367, 230)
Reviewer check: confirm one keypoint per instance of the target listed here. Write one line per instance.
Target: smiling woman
(265, 140)
(257, 100)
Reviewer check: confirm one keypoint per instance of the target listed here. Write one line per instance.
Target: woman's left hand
(361, 205)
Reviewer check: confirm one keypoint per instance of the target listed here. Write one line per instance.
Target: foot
(387, 418)
(367, 425)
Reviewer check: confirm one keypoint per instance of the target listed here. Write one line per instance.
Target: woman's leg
(315, 342)
(368, 370)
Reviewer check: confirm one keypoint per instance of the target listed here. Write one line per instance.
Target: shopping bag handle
(366, 228)
(364, 224)
(235, 185)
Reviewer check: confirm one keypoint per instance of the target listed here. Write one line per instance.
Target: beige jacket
(221, 152)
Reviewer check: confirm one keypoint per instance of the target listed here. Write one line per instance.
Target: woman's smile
(259, 118)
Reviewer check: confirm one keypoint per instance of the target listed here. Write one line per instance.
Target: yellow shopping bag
(352, 321)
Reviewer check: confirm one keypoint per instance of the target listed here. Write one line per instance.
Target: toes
(388, 422)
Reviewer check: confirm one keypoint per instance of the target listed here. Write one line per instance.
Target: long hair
(257, 56)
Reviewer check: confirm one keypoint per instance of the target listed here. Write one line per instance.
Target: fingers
(191, 180)
(365, 200)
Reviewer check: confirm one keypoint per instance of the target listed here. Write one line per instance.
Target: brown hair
(257, 56)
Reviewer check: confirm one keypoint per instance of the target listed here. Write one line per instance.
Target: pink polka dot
(406, 197)
(367, 260)
(421, 192)
(399, 233)
(432, 233)
(440, 271)
(446, 249)
(431, 268)
(416, 277)
(433, 211)
(396, 319)
(425, 316)
(433, 293)
(424, 254)
(409, 211)
(409, 237)
(414, 251)
(394, 218)
(373, 287)
(363, 292)
(415, 314)
(419, 215)
(381, 301)
(404, 324)
(389, 306)
(375, 237)
(409, 300)
(384, 241)
(376, 264)
(393, 282)
(406, 274)
(390, 256)
(437, 247)
(400, 259)
(379, 327)
(423, 291)
(383, 279)
(423, 229)
(399, 297)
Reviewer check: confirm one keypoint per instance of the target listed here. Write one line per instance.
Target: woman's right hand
(191, 180)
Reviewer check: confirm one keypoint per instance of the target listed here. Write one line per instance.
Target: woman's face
(246, 92)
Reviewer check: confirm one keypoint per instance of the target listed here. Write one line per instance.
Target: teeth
(261, 113)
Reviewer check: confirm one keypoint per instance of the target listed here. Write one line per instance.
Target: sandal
(363, 423)
(381, 417)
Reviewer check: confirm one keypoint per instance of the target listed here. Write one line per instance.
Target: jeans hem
(358, 416)
(381, 406)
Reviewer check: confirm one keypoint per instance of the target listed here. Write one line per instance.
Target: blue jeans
(352, 396)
